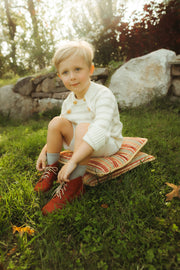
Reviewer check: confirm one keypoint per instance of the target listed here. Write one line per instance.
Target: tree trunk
(12, 31)
(36, 36)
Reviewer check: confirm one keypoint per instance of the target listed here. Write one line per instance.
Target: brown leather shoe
(48, 177)
(66, 192)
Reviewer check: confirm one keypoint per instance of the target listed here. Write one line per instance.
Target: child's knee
(55, 123)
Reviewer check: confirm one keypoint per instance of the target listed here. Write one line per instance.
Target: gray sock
(52, 158)
(79, 171)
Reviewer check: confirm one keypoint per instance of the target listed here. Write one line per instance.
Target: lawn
(123, 224)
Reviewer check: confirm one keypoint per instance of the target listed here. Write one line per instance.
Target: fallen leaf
(12, 251)
(174, 193)
(104, 205)
(22, 230)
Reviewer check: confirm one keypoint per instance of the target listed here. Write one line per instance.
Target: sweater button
(68, 111)
(84, 99)
(75, 102)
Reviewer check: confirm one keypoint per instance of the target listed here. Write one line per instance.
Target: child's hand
(41, 162)
(65, 171)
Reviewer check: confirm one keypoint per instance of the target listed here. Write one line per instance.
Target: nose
(72, 75)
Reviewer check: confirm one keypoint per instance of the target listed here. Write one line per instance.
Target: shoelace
(48, 171)
(59, 191)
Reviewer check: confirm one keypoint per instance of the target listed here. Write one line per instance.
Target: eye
(77, 69)
(65, 72)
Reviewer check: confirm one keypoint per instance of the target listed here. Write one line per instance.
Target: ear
(92, 69)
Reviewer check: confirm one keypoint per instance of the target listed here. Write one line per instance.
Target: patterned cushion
(101, 166)
(140, 158)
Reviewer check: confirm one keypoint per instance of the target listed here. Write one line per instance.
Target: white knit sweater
(99, 108)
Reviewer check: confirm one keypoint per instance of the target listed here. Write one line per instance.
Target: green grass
(7, 81)
(138, 229)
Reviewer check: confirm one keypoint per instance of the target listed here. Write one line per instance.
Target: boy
(89, 125)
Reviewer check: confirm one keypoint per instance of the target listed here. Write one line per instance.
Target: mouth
(74, 84)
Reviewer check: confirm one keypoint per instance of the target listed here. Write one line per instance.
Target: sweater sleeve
(99, 130)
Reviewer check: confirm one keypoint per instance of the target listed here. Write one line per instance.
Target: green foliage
(30, 34)
(98, 24)
(29, 42)
(8, 78)
(137, 229)
(157, 28)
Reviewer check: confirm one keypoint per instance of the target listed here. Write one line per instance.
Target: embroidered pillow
(105, 165)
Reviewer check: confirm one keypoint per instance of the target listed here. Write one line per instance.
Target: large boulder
(15, 105)
(141, 79)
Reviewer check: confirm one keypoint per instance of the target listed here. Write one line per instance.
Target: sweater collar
(88, 95)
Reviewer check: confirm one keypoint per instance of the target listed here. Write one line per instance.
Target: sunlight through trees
(119, 29)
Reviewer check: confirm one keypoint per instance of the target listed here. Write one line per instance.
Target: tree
(158, 28)
(9, 21)
(38, 40)
(98, 22)
(11, 24)
(114, 39)
(26, 34)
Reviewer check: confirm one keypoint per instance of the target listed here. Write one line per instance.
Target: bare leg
(75, 172)
(81, 130)
(81, 154)
(80, 170)
(59, 129)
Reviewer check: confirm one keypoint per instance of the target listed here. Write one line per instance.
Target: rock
(141, 79)
(176, 87)
(24, 86)
(59, 83)
(175, 66)
(100, 82)
(61, 95)
(18, 107)
(174, 99)
(135, 83)
(48, 85)
(175, 71)
(41, 95)
(38, 88)
(15, 105)
(48, 104)
(100, 73)
(40, 78)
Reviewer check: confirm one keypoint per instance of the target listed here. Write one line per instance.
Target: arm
(80, 156)
(100, 129)
(41, 161)
(82, 153)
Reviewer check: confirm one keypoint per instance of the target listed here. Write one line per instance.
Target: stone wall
(50, 85)
(36, 94)
(175, 74)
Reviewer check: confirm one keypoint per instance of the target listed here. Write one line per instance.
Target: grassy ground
(136, 230)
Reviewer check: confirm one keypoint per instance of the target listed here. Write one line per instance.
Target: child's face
(75, 74)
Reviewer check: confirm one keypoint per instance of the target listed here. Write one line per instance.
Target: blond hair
(69, 48)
